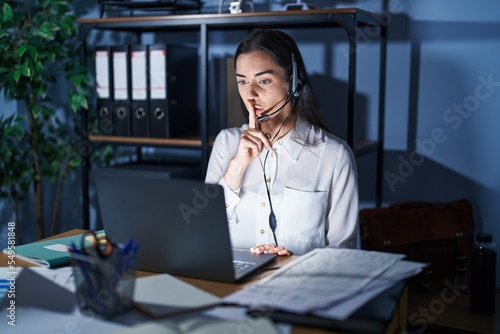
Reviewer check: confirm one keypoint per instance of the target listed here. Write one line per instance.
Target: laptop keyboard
(240, 266)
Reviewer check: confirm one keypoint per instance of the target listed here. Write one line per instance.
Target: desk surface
(449, 311)
(223, 289)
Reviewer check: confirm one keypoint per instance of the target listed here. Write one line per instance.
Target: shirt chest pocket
(303, 215)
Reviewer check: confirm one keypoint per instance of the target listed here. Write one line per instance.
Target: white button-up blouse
(312, 180)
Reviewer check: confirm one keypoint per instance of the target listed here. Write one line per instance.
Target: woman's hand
(271, 249)
(252, 142)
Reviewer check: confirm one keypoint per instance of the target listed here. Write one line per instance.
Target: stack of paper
(327, 282)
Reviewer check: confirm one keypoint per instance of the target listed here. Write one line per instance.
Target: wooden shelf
(361, 147)
(154, 4)
(292, 18)
(187, 141)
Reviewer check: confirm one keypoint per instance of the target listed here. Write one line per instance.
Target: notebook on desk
(181, 225)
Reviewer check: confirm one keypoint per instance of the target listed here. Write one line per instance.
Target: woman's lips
(258, 110)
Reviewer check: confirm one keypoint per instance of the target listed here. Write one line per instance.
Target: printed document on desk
(344, 309)
(318, 280)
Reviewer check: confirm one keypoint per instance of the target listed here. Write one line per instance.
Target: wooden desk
(448, 312)
(397, 325)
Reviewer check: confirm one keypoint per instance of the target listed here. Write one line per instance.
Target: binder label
(102, 74)
(120, 75)
(139, 75)
(158, 73)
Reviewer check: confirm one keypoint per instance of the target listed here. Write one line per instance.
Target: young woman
(290, 186)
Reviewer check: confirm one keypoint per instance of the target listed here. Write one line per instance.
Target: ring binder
(103, 69)
(173, 74)
(121, 110)
(143, 91)
(139, 103)
(158, 90)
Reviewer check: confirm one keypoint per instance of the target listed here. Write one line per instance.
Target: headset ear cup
(298, 88)
(295, 84)
(295, 89)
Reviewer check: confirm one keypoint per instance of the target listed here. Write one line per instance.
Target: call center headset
(294, 90)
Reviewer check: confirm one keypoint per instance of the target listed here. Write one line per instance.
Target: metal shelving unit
(348, 19)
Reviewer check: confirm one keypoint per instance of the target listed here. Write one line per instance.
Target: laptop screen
(181, 225)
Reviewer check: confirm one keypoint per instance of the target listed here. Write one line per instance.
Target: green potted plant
(17, 172)
(39, 45)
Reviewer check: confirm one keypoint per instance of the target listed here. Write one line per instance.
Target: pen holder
(104, 286)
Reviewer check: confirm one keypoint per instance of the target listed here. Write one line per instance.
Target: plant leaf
(7, 12)
(21, 50)
(16, 74)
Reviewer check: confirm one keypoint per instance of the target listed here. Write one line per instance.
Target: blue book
(4, 287)
(48, 253)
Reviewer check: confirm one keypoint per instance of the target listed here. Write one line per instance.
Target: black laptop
(181, 225)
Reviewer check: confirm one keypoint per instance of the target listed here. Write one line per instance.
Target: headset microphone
(265, 117)
(294, 91)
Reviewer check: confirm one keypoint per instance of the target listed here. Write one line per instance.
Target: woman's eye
(265, 82)
(241, 82)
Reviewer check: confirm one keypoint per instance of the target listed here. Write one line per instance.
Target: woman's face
(262, 84)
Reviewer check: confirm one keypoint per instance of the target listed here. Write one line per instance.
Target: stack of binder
(147, 90)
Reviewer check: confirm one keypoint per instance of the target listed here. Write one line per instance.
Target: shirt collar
(295, 140)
